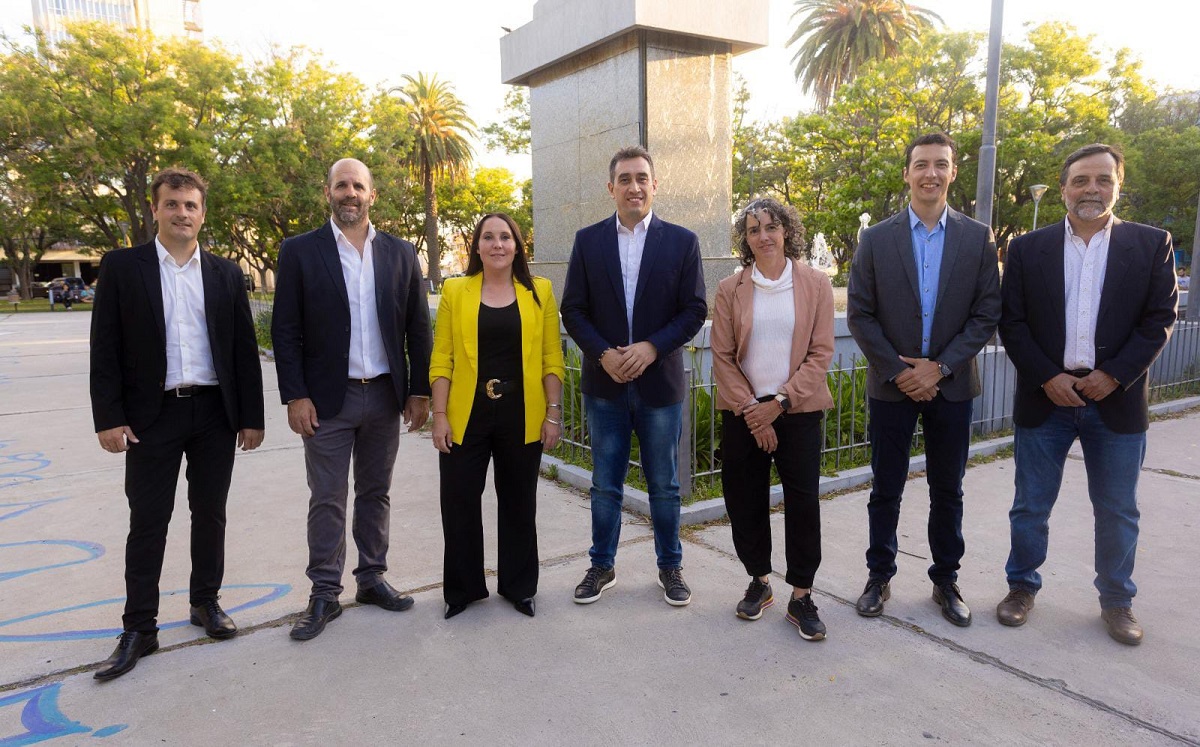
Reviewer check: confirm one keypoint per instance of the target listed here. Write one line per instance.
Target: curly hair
(785, 215)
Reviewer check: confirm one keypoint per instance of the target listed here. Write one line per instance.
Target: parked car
(249, 282)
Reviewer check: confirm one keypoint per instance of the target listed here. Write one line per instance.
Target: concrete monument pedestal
(604, 74)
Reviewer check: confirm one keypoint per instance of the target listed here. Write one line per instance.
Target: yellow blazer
(456, 349)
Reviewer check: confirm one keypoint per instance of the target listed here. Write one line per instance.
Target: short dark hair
(520, 261)
(1091, 150)
(628, 154)
(932, 138)
(787, 216)
(177, 177)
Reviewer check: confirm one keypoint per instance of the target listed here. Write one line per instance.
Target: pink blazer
(812, 340)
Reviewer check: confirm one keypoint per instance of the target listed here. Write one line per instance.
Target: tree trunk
(433, 249)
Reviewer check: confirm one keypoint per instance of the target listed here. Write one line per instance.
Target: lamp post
(1037, 190)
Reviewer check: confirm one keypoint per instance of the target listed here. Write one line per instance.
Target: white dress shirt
(189, 355)
(630, 245)
(1084, 266)
(368, 358)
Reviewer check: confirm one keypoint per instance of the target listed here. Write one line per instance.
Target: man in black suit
(349, 304)
(924, 298)
(1088, 305)
(174, 371)
(634, 296)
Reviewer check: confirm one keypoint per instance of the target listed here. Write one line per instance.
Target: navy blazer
(129, 341)
(883, 307)
(669, 306)
(1138, 307)
(310, 325)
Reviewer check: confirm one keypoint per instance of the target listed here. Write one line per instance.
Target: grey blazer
(884, 306)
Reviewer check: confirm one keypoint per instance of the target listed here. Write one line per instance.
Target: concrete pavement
(628, 669)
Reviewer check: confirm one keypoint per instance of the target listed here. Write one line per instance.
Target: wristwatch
(946, 371)
(783, 401)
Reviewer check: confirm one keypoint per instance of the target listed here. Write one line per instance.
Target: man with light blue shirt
(924, 298)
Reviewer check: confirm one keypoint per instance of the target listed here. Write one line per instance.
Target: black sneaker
(803, 614)
(758, 598)
(595, 581)
(675, 589)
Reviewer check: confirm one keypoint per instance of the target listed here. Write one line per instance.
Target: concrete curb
(713, 509)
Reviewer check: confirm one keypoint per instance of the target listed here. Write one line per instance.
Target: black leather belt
(380, 377)
(192, 390)
(496, 388)
(1078, 373)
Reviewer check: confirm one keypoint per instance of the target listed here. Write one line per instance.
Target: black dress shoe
(312, 622)
(870, 604)
(131, 646)
(213, 619)
(954, 608)
(454, 609)
(525, 606)
(383, 595)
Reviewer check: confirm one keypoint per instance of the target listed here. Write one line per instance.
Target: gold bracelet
(555, 422)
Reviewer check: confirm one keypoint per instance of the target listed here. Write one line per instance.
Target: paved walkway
(627, 670)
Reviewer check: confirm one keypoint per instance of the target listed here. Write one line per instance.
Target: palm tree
(439, 148)
(838, 37)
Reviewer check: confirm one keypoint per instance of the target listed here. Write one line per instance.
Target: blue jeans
(611, 423)
(1113, 462)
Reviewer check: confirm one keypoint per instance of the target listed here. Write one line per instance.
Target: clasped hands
(627, 362)
(920, 382)
(1095, 386)
(760, 418)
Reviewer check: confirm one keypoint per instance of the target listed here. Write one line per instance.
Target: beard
(1088, 209)
(350, 213)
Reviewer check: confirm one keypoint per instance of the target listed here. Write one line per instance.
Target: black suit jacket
(1138, 307)
(310, 325)
(129, 344)
(883, 307)
(669, 306)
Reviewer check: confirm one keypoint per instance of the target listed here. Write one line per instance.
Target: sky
(381, 40)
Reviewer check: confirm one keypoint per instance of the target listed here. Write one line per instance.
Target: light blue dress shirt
(927, 251)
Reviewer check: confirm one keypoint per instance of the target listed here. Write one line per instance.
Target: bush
(262, 328)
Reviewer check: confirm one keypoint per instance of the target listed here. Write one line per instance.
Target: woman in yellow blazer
(772, 340)
(496, 373)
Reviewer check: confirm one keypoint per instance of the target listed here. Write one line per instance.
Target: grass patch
(40, 305)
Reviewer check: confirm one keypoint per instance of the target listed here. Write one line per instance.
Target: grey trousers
(367, 431)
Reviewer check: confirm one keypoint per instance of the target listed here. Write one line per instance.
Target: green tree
(512, 134)
(838, 37)
(105, 109)
(439, 148)
(288, 120)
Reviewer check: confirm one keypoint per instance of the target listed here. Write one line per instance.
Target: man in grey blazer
(924, 297)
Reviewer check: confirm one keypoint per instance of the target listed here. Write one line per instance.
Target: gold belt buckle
(490, 391)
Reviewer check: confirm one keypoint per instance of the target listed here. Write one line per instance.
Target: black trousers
(496, 433)
(947, 428)
(197, 427)
(746, 480)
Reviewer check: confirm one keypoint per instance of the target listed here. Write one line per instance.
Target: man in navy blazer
(174, 372)
(352, 342)
(634, 296)
(924, 298)
(1088, 305)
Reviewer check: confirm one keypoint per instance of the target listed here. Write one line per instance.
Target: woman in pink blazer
(772, 340)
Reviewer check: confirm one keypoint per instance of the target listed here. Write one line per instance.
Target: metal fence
(1175, 374)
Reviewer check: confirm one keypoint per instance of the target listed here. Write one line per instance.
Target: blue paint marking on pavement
(276, 591)
(18, 469)
(25, 506)
(40, 716)
(108, 731)
(91, 549)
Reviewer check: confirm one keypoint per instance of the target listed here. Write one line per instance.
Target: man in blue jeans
(634, 296)
(1088, 304)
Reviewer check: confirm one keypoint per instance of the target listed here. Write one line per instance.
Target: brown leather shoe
(1123, 627)
(1014, 609)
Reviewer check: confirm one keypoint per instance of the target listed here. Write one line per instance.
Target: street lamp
(1037, 190)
